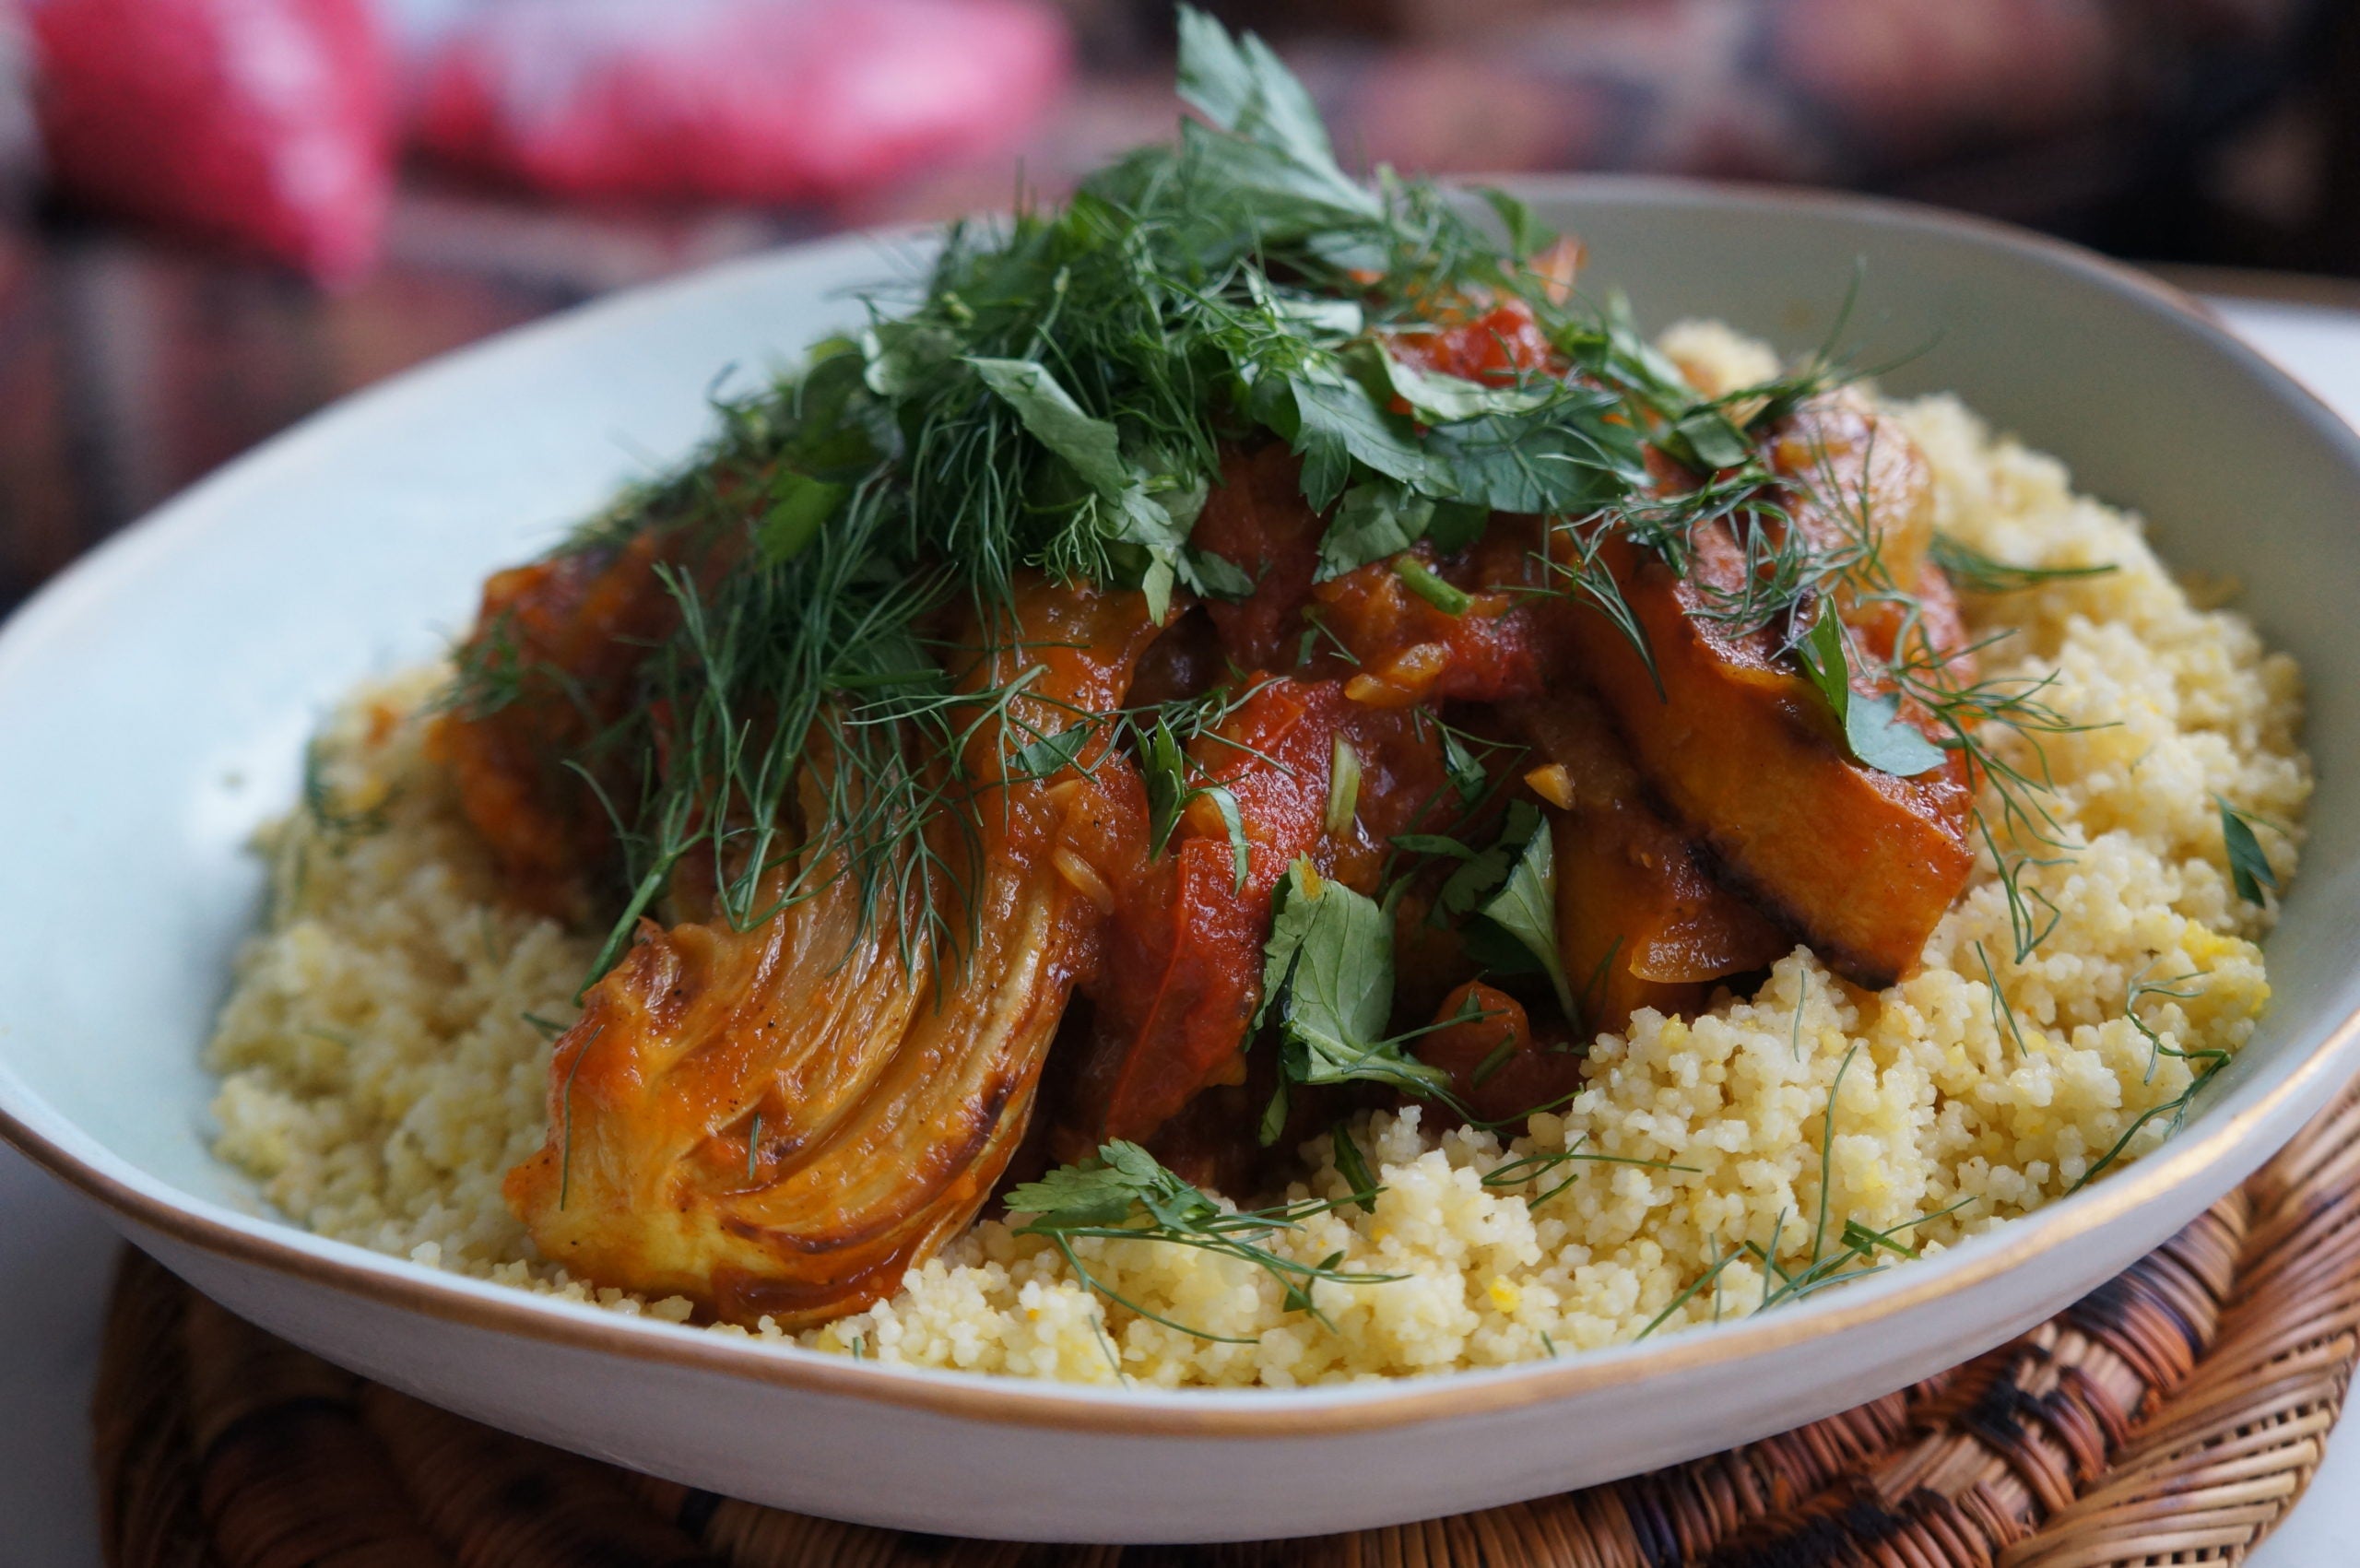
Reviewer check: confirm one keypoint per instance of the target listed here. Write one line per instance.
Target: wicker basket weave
(2173, 1415)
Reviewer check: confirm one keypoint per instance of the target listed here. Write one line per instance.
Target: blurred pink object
(265, 122)
(751, 101)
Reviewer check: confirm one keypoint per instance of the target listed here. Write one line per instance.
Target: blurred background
(218, 214)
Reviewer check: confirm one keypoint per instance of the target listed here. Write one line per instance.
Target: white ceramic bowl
(153, 702)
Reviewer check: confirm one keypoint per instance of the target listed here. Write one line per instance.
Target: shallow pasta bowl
(154, 700)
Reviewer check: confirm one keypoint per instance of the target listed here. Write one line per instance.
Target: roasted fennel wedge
(777, 1121)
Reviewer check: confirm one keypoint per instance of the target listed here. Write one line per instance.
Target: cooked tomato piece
(1500, 1070)
(1257, 520)
(1184, 971)
(1497, 342)
(1405, 650)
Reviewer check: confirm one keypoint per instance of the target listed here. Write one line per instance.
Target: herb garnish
(1532, 1168)
(1524, 907)
(2003, 1015)
(1504, 899)
(1124, 1194)
(1853, 1255)
(1165, 768)
(2249, 870)
(1873, 730)
(1327, 981)
(1352, 1165)
(1970, 571)
(2176, 989)
(1343, 788)
(1055, 398)
(336, 822)
(2213, 1058)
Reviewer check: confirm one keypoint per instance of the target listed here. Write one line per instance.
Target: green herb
(1125, 1194)
(1494, 1060)
(1873, 730)
(336, 821)
(2027, 934)
(548, 1027)
(1709, 1277)
(1051, 754)
(1856, 1246)
(1532, 1168)
(2212, 1059)
(1376, 519)
(1467, 774)
(1327, 981)
(754, 1145)
(1165, 768)
(1527, 235)
(1432, 844)
(1975, 572)
(1352, 1165)
(1105, 1345)
(2003, 1016)
(1434, 398)
(1423, 582)
(2137, 990)
(1862, 1242)
(800, 507)
(1514, 925)
(1827, 1147)
(1343, 788)
(2249, 870)
(1244, 88)
(1123, 509)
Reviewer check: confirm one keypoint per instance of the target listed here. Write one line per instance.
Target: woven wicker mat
(2173, 1415)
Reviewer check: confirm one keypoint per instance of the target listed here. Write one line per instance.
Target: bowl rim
(278, 1246)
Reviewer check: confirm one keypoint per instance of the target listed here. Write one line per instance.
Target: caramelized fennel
(780, 1121)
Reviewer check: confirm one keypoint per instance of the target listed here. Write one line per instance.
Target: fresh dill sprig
(1972, 571)
(1827, 1147)
(334, 821)
(2212, 1059)
(1352, 1165)
(1125, 1194)
(1852, 1256)
(2176, 1108)
(1535, 1167)
(2175, 989)
(2003, 1015)
(1710, 1277)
